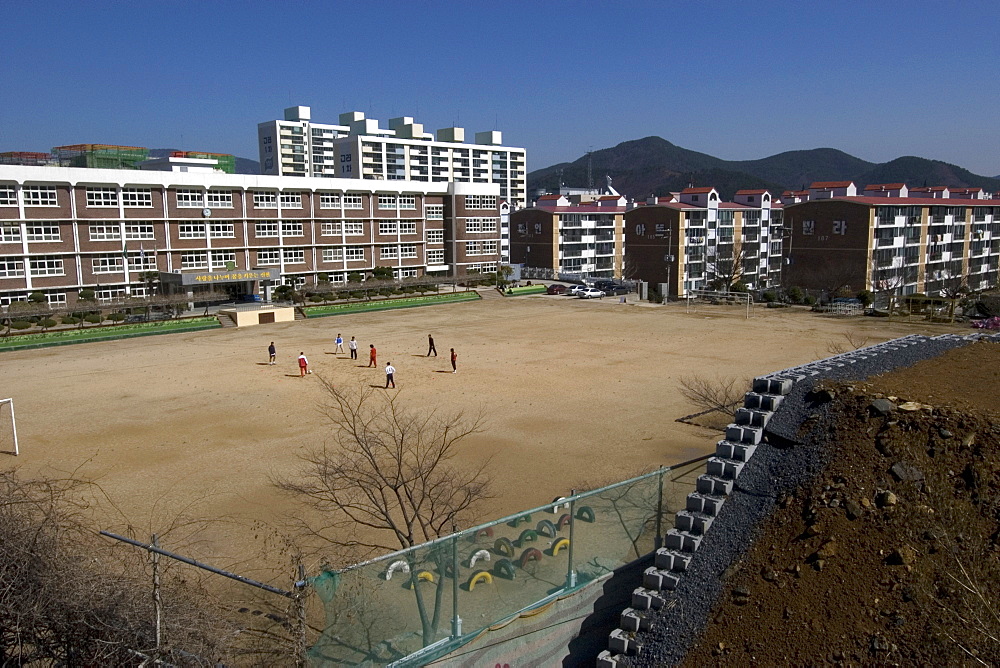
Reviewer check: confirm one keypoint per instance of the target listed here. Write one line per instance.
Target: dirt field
(577, 391)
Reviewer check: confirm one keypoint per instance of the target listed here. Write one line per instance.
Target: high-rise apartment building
(357, 148)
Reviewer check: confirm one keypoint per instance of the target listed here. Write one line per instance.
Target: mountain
(653, 165)
(243, 165)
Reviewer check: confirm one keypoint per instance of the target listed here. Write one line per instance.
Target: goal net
(8, 428)
(710, 301)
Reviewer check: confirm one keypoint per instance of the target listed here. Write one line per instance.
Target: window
(56, 298)
(102, 197)
(408, 202)
(11, 267)
(434, 211)
(808, 227)
(137, 198)
(10, 232)
(387, 228)
(435, 256)
(105, 233)
(408, 251)
(109, 264)
(220, 199)
(291, 200)
(404, 273)
(39, 196)
(333, 254)
(354, 229)
(191, 231)
(188, 198)
(139, 233)
(8, 196)
(480, 202)
(291, 228)
(352, 201)
(407, 228)
(38, 232)
(265, 199)
(472, 248)
(194, 260)
(110, 294)
(388, 253)
(221, 259)
(221, 231)
(354, 253)
(142, 261)
(267, 228)
(294, 256)
(329, 200)
(435, 236)
(489, 247)
(387, 201)
(330, 229)
(268, 258)
(46, 266)
(475, 225)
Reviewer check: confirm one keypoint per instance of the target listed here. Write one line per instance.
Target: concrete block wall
(742, 438)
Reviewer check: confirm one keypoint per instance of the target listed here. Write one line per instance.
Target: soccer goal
(8, 428)
(711, 301)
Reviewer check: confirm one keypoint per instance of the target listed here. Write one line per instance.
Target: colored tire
(527, 536)
(564, 520)
(504, 568)
(480, 576)
(559, 545)
(546, 528)
(585, 513)
(504, 547)
(517, 520)
(531, 554)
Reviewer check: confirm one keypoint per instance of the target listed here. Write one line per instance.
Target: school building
(65, 229)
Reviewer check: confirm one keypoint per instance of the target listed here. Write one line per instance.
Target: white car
(590, 293)
(575, 290)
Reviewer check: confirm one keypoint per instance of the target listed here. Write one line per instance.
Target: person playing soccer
(352, 345)
(430, 346)
(389, 370)
(454, 361)
(340, 344)
(303, 365)
(372, 356)
(272, 354)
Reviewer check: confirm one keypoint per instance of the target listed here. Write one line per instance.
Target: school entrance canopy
(189, 278)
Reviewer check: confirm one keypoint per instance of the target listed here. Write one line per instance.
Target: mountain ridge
(653, 165)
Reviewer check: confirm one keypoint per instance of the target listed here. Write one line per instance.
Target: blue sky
(737, 80)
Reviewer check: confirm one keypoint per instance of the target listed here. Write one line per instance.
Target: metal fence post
(570, 573)
(659, 510)
(456, 621)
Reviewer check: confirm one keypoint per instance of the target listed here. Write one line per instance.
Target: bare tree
(388, 480)
(719, 395)
(852, 341)
(727, 269)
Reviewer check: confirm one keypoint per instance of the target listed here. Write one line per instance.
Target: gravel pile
(777, 468)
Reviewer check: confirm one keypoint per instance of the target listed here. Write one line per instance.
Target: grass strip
(387, 304)
(108, 333)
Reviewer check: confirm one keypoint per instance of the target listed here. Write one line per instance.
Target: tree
(726, 270)
(382, 273)
(388, 480)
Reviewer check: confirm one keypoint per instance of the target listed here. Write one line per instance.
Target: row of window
(11, 232)
(197, 198)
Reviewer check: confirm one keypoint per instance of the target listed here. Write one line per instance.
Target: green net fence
(417, 604)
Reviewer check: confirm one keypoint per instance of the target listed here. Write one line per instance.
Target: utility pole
(157, 601)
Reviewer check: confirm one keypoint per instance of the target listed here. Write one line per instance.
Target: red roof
(696, 191)
(581, 208)
(937, 189)
(885, 186)
(607, 197)
(905, 201)
(548, 197)
(831, 184)
(751, 192)
(733, 205)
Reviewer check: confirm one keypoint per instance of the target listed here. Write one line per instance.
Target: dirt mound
(891, 555)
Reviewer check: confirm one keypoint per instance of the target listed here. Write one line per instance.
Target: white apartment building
(357, 148)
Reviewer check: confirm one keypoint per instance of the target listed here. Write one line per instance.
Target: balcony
(696, 241)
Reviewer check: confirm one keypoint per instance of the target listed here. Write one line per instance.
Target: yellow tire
(480, 576)
(558, 545)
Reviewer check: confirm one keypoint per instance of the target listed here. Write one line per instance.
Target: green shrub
(94, 318)
(70, 320)
(86, 295)
(116, 317)
(866, 298)
(795, 295)
(769, 297)
(808, 300)
(357, 294)
(315, 299)
(47, 322)
(37, 298)
(20, 324)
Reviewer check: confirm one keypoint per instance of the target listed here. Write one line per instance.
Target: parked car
(556, 289)
(590, 293)
(575, 290)
(611, 288)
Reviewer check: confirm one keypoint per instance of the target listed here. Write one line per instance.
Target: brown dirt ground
(197, 425)
(840, 576)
